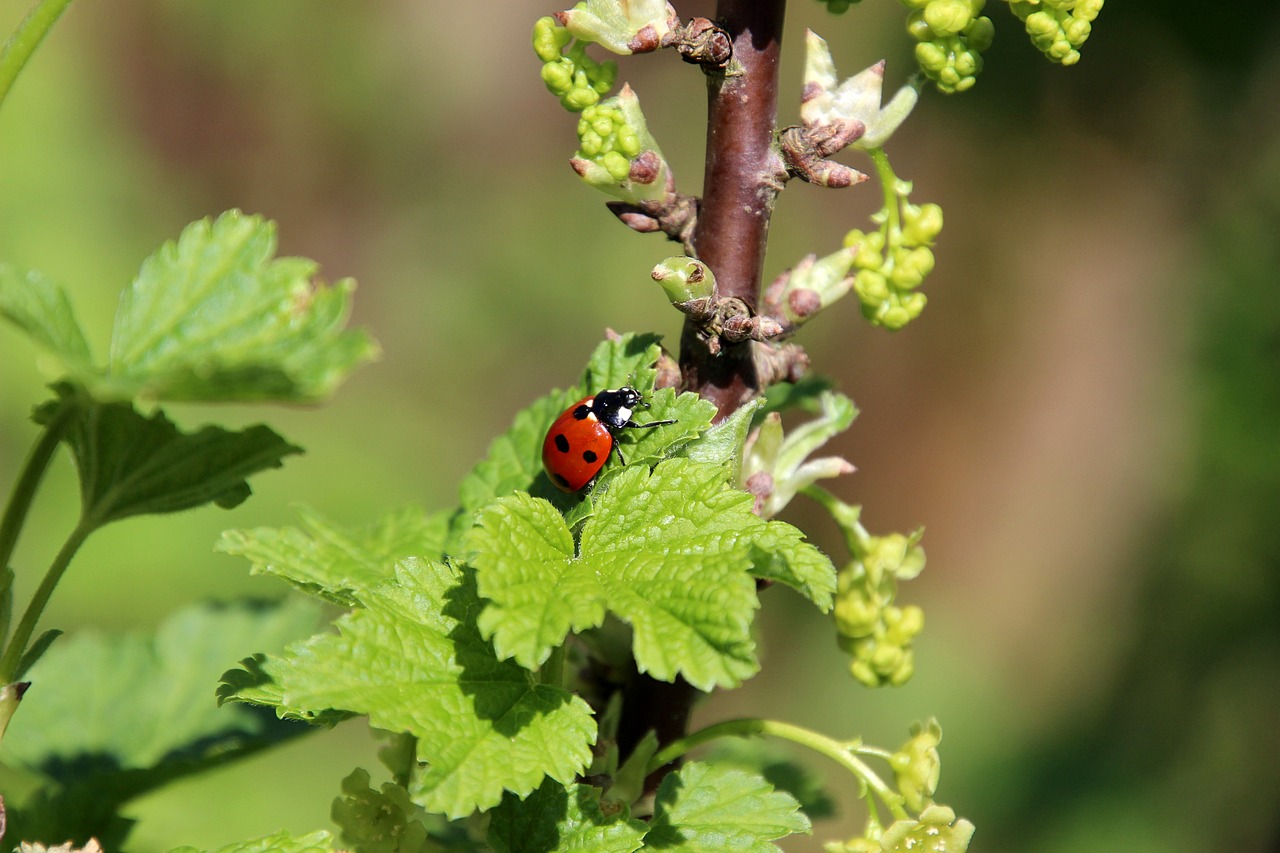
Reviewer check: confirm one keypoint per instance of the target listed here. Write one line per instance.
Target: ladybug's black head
(614, 408)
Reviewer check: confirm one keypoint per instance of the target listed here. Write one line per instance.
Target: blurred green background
(1086, 419)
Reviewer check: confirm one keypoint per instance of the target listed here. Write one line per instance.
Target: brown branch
(743, 178)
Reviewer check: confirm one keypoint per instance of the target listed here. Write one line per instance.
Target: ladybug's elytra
(581, 439)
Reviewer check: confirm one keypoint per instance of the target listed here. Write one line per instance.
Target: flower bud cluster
(617, 155)
(892, 262)
(572, 76)
(605, 138)
(951, 36)
(1058, 27)
(875, 632)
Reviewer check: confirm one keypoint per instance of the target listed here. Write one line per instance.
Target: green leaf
(702, 808)
(774, 764)
(683, 588)
(335, 563)
(35, 652)
(281, 842)
(559, 818)
(626, 360)
(413, 660)
(131, 465)
(109, 718)
(40, 308)
(670, 551)
(214, 316)
(722, 443)
(779, 553)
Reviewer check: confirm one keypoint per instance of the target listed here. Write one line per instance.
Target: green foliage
(133, 465)
(211, 317)
(557, 817)
(412, 660)
(680, 584)
(108, 719)
(706, 809)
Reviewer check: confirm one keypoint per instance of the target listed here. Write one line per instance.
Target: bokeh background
(1086, 419)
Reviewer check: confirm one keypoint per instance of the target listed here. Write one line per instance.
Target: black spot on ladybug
(581, 412)
(562, 443)
(564, 484)
(589, 456)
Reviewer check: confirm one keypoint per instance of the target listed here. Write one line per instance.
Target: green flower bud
(980, 35)
(558, 76)
(948, 17)
(872, 287)
(856, 617)
(910, 266)
(617, 165)
(921, 224)
(918, 28)
(936, 831)
(931, 57)
(549, 38)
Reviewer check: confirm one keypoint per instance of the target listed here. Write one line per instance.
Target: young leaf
(680, 583)
(281, 842)
(626, 360)
(40, 308)
(702, 808)
(670, 551)
(558, 818)
(131, 465)
(779, 553)
(334, 563)
(413, 660)
(215, 317)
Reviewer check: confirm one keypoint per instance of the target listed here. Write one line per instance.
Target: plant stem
(31, 616)
(26, 38)
(24, 490)
(841, 753)
(743, 177)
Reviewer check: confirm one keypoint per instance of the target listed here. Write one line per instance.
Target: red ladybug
(581, 439)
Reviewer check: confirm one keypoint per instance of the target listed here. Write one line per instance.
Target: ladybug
(581, 439)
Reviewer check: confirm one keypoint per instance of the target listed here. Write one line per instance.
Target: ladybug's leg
(634, 425)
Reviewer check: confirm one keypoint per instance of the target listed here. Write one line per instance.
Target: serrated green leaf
(40, 308)
(133, 465)
(556, 818)
(672, 552)
(336, 563)
(413, 660)
(214, 316)
(626, 360)
(722, 443)
(702, 808)
(779, 553)
(659, 553)
(109, 718)
(281, 842)
(775, 765)
(543, 570)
